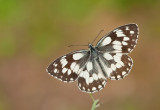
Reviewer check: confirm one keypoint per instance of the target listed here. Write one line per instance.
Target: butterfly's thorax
(93, 51)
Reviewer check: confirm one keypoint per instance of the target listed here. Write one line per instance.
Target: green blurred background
(35, 32)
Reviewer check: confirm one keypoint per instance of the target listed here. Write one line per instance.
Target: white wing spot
(104, 82)
(64, 62)
(113, 77)
(129, 64)
(119, 54)
(100, 75)
(118, 76)
(64, 70)
(117, 47)
(71, 79)
(124, 43)
(81, 73)
(73, 65)
(118, 65)
(55, 70)
(86, 75)
(76, 68)
(106, 41)
(100, 86)
(90, 79)
(120, 33)
(117, 58)
(109, 71)
(77, 56)
(107, 56)
(127, 28)
(55, 65)
(125, 38)
(95, 77)
(93, 88)
(123, 73)
(133, 40)
(69, 72)
(79, 84)
(115, 30)
(129, 49)
(131, 32)
(89, 66)
(113, 67)
(121, 63)
(116, 42)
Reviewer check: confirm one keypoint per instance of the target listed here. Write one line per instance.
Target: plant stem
(92, 97)
(95, 102)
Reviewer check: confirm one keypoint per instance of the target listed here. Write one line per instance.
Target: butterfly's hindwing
(66, 67)
(91, 78)
(123, 39)
(123, 64)
(116, 65)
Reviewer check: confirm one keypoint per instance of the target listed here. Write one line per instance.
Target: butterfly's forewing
(91, 78)
(123, 39)
(66, 68)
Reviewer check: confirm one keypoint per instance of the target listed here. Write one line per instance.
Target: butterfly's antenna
(76, 45)
(97, 35)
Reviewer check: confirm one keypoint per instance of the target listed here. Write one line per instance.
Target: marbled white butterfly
(107, 60)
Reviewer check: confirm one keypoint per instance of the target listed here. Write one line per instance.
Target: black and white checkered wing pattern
(121, 66)
(114, 48)
(123, 39)
(67, 67)
(108, 59)
(91, 78)
(115, 65)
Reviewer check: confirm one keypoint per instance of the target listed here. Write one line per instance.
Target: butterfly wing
(114, 48)
(121, 66)
(115, 65)
(122, 39)
(91, 78)
(66, 68)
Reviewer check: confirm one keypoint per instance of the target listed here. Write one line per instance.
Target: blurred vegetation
(37, 22)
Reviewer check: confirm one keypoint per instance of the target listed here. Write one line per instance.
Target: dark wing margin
(122, 39)
(66, 68)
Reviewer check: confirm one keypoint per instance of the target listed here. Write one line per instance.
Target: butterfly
(93, 67)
